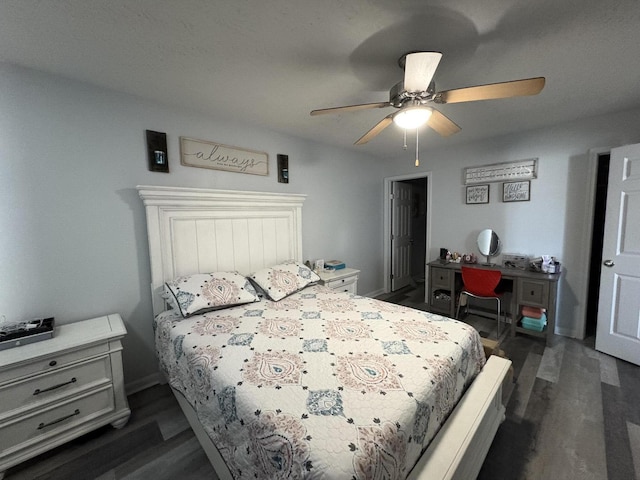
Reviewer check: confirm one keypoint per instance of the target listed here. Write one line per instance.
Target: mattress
(321, 384)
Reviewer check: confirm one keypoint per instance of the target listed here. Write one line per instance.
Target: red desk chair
(481, 283)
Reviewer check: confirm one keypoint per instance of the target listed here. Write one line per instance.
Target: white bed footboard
(459, 449)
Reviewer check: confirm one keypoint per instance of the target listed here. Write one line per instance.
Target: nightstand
(343, 280)
(58, 389)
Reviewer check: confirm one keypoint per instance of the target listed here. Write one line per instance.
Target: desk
(529, 288)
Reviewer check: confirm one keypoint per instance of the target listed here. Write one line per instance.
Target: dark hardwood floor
(157, 443)
(572, 413)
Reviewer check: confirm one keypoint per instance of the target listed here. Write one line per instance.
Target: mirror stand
(489, 245)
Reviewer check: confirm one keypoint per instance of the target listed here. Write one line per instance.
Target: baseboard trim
(568, 332)
(143, 383)
(374, 294)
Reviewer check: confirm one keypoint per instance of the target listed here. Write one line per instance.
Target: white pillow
(284, 279)
(203, 292)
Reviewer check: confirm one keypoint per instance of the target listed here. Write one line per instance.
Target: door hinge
(391, 196)
(391, 276)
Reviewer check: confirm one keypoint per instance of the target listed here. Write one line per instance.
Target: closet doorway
(407, 217)
(597, 239)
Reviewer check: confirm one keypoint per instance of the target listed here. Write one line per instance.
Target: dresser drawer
(49, 363)
(441, 277)
(53, 385)
(341, 283)
(45, 423)
(533, 292)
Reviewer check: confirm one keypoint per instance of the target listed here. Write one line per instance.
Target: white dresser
(58, 389)
(343, 280)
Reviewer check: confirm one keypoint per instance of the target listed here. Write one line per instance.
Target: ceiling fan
(413, 95)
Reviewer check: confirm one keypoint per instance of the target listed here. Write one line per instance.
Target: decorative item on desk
(469, 258)
(514, 260)
(334, 265)
(545, 264)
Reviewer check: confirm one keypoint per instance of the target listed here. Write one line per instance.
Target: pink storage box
(532, 312)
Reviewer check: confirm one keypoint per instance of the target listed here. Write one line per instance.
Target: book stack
(334, 265)
(534, 318)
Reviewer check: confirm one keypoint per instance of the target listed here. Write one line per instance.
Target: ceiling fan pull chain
(404, 147)
(417, 159)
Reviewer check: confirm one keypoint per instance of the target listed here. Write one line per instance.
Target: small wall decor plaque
(283, 168)
(516, 191)
(478, 194)
(203, 154)
(157, 151)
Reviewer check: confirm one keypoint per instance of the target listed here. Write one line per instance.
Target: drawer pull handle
(532, 293)
(53, 363)
(38, 391)
(61, 419)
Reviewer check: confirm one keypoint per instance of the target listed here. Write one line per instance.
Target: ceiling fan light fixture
(410, 118)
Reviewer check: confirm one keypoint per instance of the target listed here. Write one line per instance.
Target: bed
(313, 383)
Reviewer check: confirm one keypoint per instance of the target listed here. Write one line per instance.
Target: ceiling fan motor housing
(399, 97)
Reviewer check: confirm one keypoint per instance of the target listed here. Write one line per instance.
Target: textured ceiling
(270, 62)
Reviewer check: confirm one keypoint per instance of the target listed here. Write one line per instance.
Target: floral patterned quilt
(320, 384)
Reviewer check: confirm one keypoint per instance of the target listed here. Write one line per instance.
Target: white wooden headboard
(196, 230)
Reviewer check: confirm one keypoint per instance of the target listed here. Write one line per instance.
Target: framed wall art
(477, 194)
(216, 156)
(516, 191)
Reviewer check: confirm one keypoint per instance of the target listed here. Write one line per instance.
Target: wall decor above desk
(516, 191)
(477, 194)
(203, 154)
(502, 172)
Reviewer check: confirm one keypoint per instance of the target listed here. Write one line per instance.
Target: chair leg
(466, 304)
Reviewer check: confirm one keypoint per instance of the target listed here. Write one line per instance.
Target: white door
(400, 235)
(618, 331)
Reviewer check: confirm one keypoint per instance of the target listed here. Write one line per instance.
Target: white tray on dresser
(58, 389)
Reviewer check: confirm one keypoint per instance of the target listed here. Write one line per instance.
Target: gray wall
(72, 228)
(556, 221)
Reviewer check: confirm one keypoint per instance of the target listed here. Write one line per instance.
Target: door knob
(608, 263)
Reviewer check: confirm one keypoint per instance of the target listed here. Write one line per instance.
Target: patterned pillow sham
(203, 292)
(284, 279)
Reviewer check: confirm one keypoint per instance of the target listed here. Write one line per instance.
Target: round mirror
(488, 244)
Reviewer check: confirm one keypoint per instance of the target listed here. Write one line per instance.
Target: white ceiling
(270, 62)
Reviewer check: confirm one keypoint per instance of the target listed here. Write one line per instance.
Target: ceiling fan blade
(515, 88)
(442, 124)
(378, 127)
(419, 68)
(350, 108)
